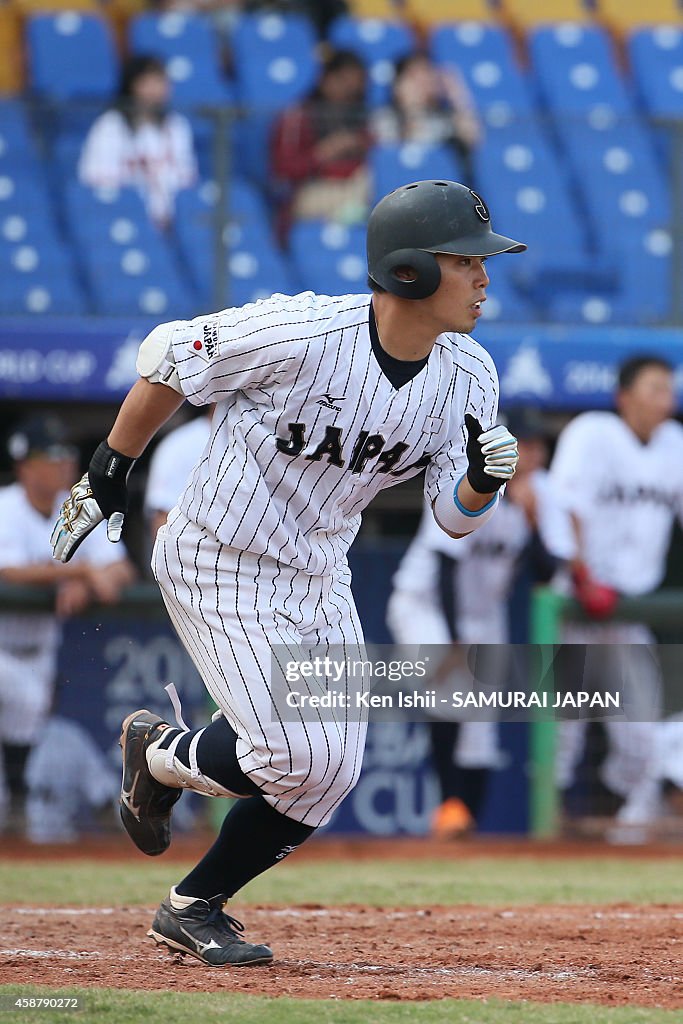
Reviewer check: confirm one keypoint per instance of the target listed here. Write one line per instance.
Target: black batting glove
(491, 456)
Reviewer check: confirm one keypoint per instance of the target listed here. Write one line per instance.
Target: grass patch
(485, 881)
(101, 1006)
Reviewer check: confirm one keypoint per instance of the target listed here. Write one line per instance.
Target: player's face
(649, 400)
(457, 301)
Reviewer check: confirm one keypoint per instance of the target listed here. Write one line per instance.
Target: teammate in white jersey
(320, 403)
(620, 475)
(450, 591)
(171, 467)
(44, 464)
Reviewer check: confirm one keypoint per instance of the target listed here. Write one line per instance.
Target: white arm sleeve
(453, 517)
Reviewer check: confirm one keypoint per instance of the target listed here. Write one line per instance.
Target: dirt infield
(629, 955)
(616, 954)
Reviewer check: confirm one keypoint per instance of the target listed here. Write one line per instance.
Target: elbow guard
(156, 361)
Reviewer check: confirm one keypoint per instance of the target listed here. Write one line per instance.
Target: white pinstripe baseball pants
(229, 608)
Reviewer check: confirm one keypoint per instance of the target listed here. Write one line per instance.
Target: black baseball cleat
(146, 804)
(205, 932)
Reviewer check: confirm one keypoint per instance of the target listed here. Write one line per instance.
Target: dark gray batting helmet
(415, 221)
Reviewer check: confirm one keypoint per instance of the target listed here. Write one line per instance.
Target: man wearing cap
(321, 402)
(44, 463)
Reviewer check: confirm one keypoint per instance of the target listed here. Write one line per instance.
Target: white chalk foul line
(64, 911)
(62, 954)
(409, 972)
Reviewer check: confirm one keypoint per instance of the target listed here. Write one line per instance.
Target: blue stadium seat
(274, 58)
(616, 171)
(644, 291)
(247, 224)
(256, 273)
(505, 302)
(522, 180)
(90, 212)
(71, 56)
(575, 70)
(188, 45)
(132, 286)
(24, 227)
(24, 191)
(646, 275)
(53, 293)
(129, 265)
(330, 258)
(253, 263)
(38, 278)
(586, 306)
(484, 56)
(397, 164)
(21, 166)
(16, 139)
(275, 65)
(379, 44)
(657, 62)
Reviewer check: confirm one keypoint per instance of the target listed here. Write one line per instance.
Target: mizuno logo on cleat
(201, 947)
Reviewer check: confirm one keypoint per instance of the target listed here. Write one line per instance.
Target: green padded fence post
(546, 609)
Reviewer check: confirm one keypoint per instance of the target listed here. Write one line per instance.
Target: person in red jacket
(319, 147)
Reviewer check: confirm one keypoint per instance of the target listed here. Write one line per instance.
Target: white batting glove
(500, 448)
(78, 516)
(492, 456)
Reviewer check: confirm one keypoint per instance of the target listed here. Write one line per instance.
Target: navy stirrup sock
(252, 838)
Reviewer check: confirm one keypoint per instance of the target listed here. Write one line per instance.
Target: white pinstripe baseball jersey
(308, 428)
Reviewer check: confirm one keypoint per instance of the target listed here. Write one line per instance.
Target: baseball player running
(320, 403)
(620, 476)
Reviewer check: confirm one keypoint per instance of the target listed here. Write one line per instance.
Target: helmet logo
(480, 207)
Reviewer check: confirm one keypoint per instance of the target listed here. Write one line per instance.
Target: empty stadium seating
(71, 56)
(576, 71)
(329, 258)
(275, 60)
(484, 55)
(401, 163)
(657, 60)
(246, 247)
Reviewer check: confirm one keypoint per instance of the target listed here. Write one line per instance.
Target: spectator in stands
(139, 142)
(319, 147)
(44, 464)
(431, 106)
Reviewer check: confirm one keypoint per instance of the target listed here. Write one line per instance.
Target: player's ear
(405, 273)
